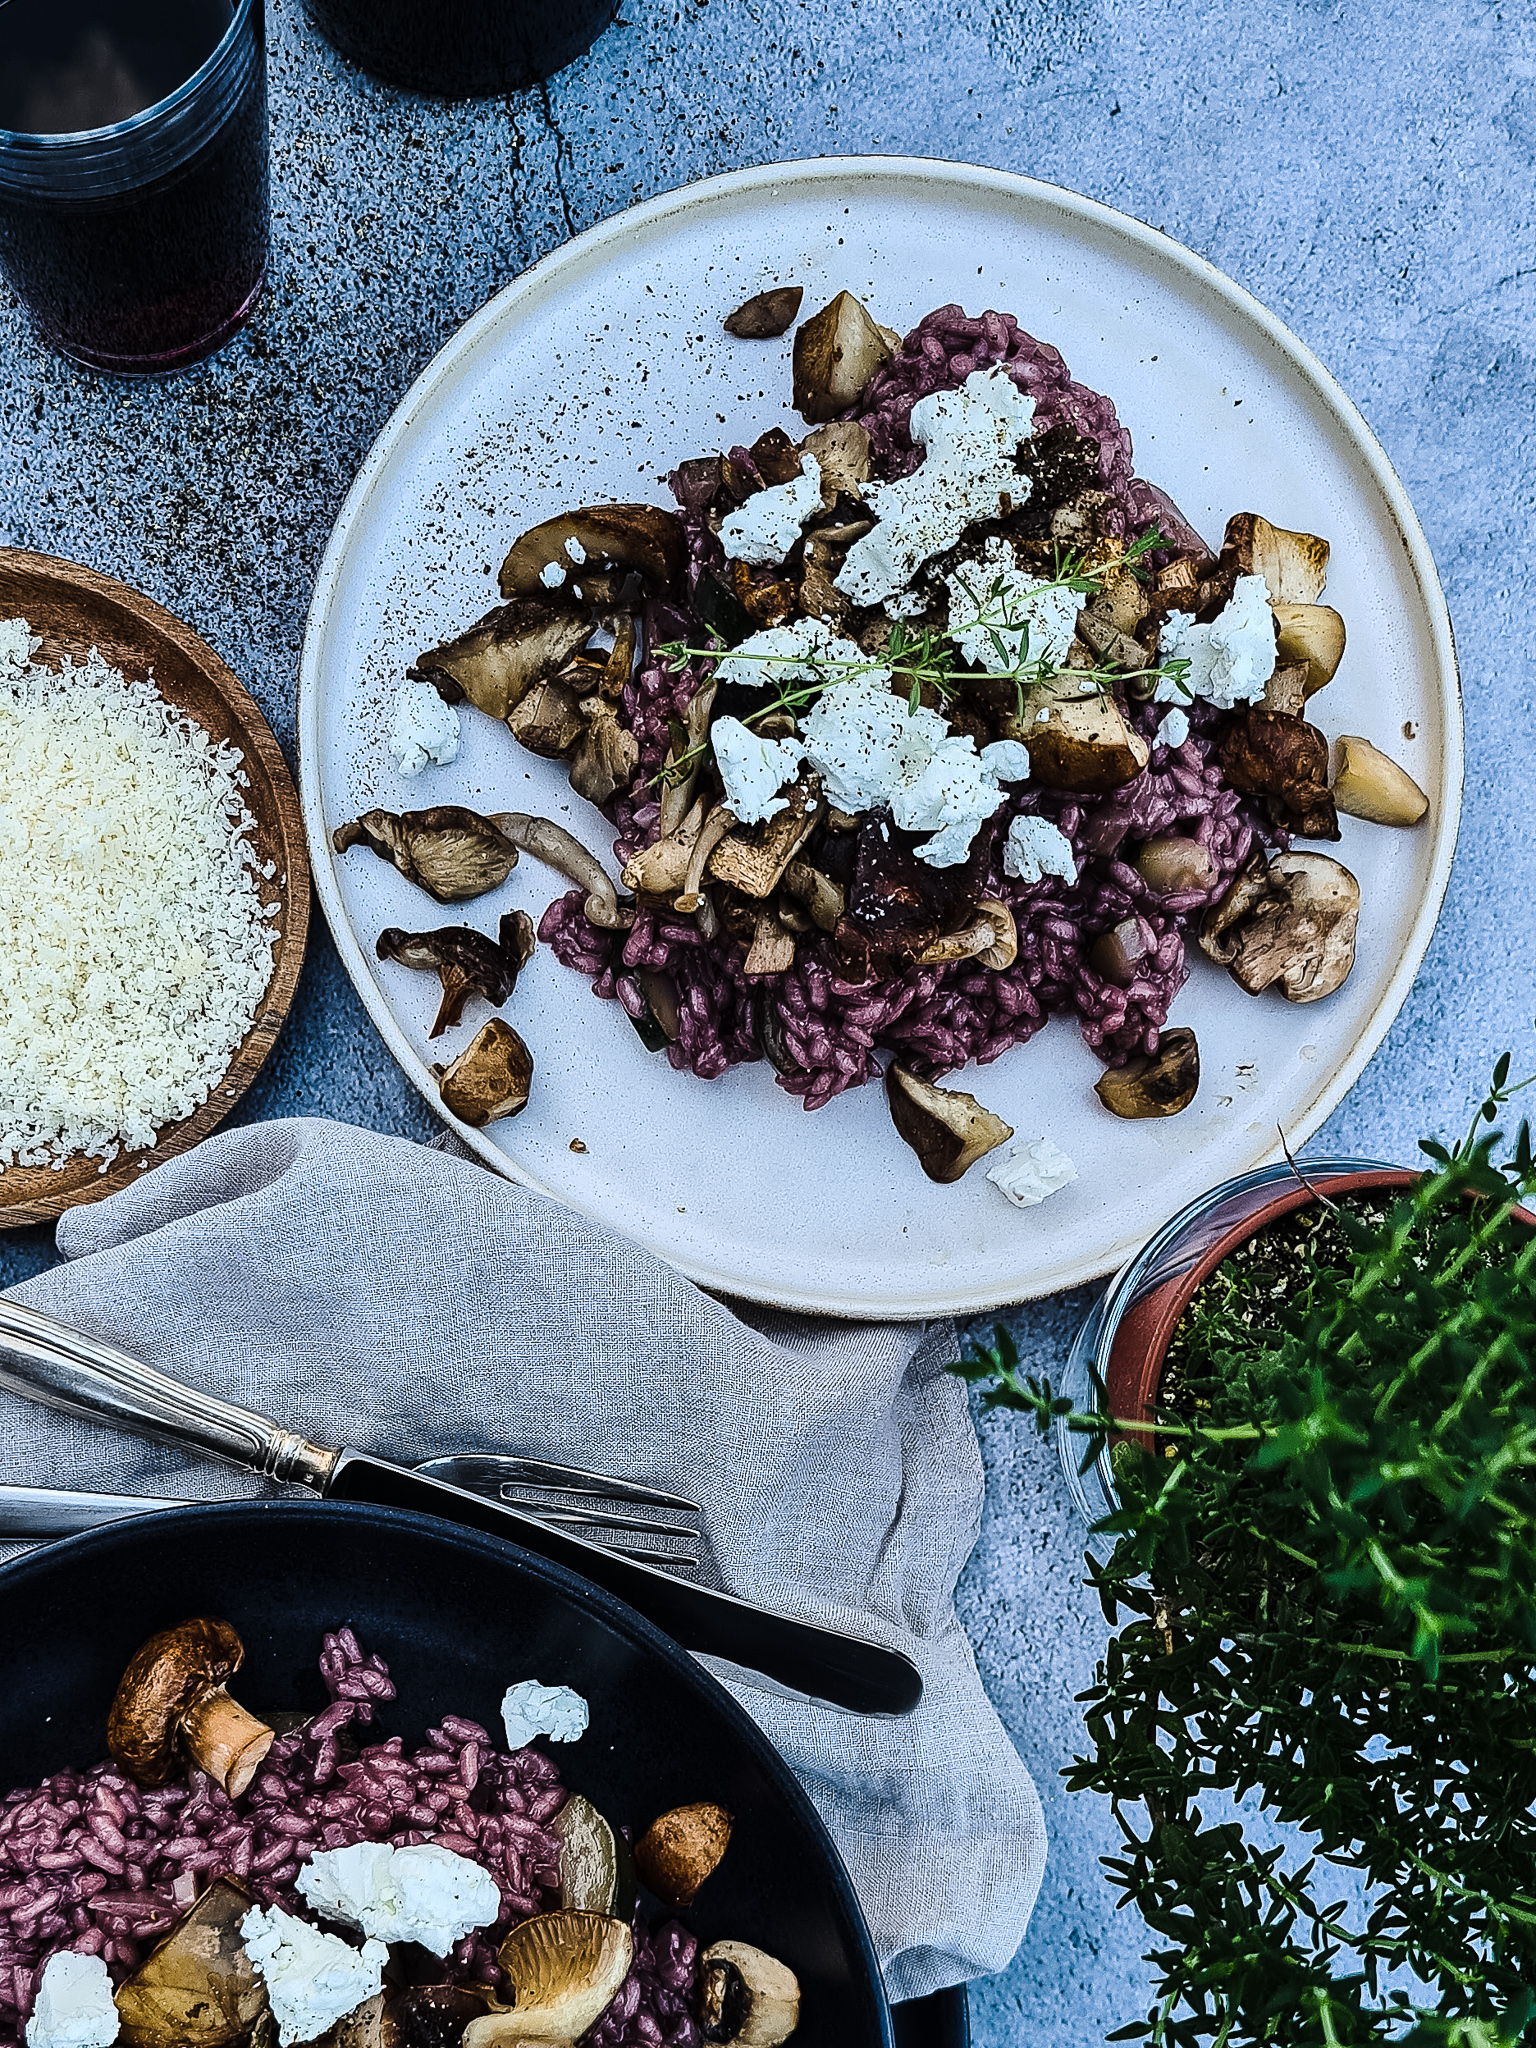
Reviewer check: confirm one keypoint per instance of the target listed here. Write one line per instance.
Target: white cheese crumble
(970, 437)
(552, 575)
(765, 529)
(422, 1892)
(312, 1979)
(991, 604)
(134, 945)
(1032, 1171)
(1231, 659)
(74, 2007)
(871, 749)
(529, 1709)
(791, 654)
(575, 550)
(1036, 848)
(1174, 728)
(422, 728)
(753, 769)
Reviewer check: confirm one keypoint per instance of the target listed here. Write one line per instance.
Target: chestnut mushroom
(947, 1129)
(747, 1999)
(991, 937)
(1310, 633)
(1286, 922)
(1267, 753)
(1294, 566)
(766, 315)
(679, 1850)
(1368, 784)
(563, 1971)
(1172, 864)
(1159, 1083)
(451, 852)
(490, 1079)
(172, 1703)
(465, 961)
(1077, 738)
(837, 351)
(640, 538)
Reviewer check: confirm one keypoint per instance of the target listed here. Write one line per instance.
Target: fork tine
(596, 1507)
(485, 1471)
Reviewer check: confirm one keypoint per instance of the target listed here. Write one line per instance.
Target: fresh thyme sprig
(926, 659)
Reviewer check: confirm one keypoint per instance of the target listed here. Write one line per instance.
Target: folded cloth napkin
(342, 1281)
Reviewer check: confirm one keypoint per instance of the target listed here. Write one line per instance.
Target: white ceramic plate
(590, 377)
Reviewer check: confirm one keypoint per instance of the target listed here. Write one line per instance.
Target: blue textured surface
(1365, 169)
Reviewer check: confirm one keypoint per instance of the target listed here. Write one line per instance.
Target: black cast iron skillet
(458, 1617)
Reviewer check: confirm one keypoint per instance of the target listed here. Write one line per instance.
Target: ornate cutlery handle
(63, 1368)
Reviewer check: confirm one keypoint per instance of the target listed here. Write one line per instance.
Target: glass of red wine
(457, 49)
(133, 174)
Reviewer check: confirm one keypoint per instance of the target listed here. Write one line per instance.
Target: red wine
(140, 244)
(457, 48)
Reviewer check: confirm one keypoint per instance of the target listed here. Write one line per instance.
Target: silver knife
(45, 1361)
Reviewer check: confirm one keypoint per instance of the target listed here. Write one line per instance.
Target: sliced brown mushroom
(837, 351)
(496, 662)
(1113, 648)
(1120, 954)
(1172, 865)
(1367, 784)
(754, 860)
(991, 937)
(564, 1970)
(841, 449)
(1310, 633)
(452, 853)
(491, 1078)
(172, 1703)
(947, 1129)
(1294, 565)
(548, 721)
(680, 1848)
(1265, 753)
(1288, 921)
(466, 962)
(1120, 602)
(597, 1873)
(199, 1988)
(1286, 690)
(642, 538)
(1077, 738)
(822, 897)
(773, 945)
(746, 1999)
(561, 850)
(608, 755)
(766, 315)
(1160, 1083)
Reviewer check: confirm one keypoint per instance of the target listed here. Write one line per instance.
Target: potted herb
(1324, 1585)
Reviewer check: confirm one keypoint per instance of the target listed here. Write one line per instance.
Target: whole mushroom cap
(164, 1679)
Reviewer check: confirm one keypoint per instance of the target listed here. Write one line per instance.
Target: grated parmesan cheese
(134, 946)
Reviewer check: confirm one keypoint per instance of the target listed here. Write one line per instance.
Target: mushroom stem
(992, 937)
(560, 850)
(713, 830)
(226, 1741)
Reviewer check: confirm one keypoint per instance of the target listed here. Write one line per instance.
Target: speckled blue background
(1364, 168)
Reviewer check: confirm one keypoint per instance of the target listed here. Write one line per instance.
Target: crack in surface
(562, 157)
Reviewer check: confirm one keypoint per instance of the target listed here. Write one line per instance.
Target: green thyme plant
(1323, 1582)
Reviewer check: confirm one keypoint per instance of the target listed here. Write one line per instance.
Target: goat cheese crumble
(1032, 1171)
(970, 438)
(74, 2007)
(552, 575)
(1231, 659)
(422, 729)
(753, 769)
(765, 529)
(791, 654)
(992, 605)
(1174, 728)
(419, 1893)
(312, 1979)
(531, 1709)
(1036, 848)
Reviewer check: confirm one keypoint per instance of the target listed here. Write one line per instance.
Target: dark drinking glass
(458, 48)
(133, 174)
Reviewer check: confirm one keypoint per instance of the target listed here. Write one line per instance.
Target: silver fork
(620, 1514)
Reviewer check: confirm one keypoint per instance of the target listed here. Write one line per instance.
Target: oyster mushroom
(420, 2016)
(560, 850)
(766, 315)
(452, 853)
(754, 860)
(947, 1129)
(466, 962)
(641, 538)
(1288, 921)
(172, 1703)
(1294, 566)
(659, 870)
(822, 897)
(1366, 784)
(837, 351)
(563, 1970)
(679, 783)
(773, 945)
(1160, 1083)
(711, 833)
(497, 661)
(548, 721)
(198, 1988)
(607, 756)
(679, 1850)
(746, 1999)
(491, 1078)
(841, 449)
(991, 937)
(1310, 633)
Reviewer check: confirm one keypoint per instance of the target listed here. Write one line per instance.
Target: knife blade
(45, 1361)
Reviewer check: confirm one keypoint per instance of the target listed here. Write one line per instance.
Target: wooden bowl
(73, 610)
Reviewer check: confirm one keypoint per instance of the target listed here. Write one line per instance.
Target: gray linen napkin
(415, 1303)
